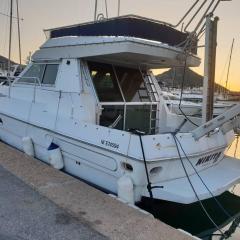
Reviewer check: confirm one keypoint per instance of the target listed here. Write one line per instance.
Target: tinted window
(50, 74)
(111, 115)
(105, 82)
(131, 82)
(140, 117)
(33, 74)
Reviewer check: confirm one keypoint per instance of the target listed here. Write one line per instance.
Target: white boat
(218, 108)
(83, 94)
(186, 107)
(15, 70)
(197, 100)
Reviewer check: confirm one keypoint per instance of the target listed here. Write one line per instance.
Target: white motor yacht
(184, 107)
(219, 107)
(89, 104)
(191, 104)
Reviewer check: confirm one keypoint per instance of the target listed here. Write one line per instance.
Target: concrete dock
(25, 214)
(39, 202)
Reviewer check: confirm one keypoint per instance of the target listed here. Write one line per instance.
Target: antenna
(211, 6)
(95, 12)
(106, 8)
(119, 6)
(186, 14)
(100, 16)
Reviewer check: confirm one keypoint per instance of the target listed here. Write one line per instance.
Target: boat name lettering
(209, 158)
(110, 144)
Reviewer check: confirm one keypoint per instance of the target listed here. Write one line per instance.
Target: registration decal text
(110, 144)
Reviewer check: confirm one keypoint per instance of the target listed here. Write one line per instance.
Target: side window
(50, 74)
(132, 84)
(105, 82)
(33, 74)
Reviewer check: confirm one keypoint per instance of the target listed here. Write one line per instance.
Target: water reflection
(233, 151)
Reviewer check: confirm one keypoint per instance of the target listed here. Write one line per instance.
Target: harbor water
(192, 218)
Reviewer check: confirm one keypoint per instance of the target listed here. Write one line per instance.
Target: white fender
(125, 189)
(28, 146)
(55, 156)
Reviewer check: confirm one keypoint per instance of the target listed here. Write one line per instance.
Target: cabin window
(112, 116)
(138, 117)
(105, 82)
(132, 84)
(40, 73)
(127, 97)
(33, 74)
(50, 74)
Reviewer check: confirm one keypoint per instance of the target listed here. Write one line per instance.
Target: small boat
(88, 103)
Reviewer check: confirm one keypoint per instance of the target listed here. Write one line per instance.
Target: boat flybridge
(89, 103)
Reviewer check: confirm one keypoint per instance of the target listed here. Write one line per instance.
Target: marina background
(39, 15)
(44, 14)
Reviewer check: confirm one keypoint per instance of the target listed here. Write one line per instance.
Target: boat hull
(102, 167)
(81, 160)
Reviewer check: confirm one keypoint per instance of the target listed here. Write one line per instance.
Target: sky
(44, 14)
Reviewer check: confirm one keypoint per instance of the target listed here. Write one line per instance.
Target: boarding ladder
(151, 95)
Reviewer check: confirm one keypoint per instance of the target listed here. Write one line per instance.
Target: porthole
(127, 166)
(155, 170)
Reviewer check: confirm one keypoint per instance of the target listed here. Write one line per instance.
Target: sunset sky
(43, 14)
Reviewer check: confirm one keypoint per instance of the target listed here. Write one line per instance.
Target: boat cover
(218, 178)
(129, 26)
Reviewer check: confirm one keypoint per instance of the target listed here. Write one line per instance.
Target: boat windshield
(118, 84)
(105, 82)
(126, 95)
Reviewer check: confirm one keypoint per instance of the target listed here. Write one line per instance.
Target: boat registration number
(110, 144)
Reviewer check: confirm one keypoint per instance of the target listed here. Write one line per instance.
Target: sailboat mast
(10, 37)
(19, 35)
(229, 64)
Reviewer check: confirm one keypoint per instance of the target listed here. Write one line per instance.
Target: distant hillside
(192, 79)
